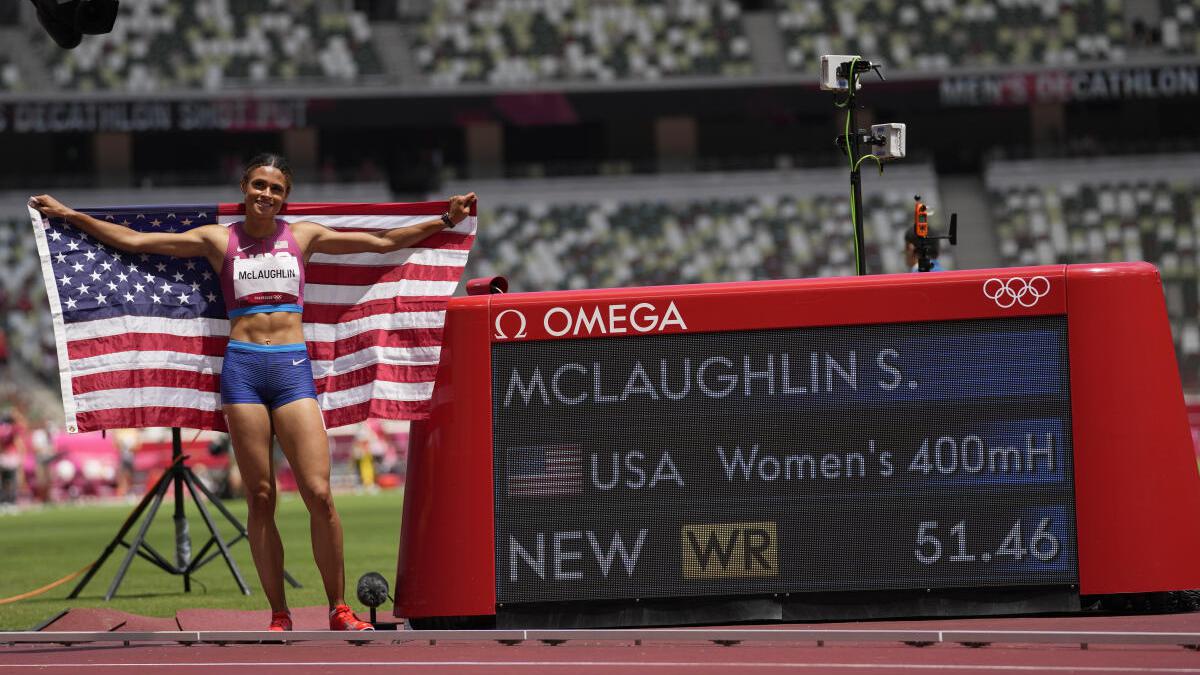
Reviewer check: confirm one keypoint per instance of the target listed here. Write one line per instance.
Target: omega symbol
(500, 334)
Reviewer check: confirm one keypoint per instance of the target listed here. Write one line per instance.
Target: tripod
(178, 475)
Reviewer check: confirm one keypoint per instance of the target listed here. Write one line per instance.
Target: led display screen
(902, 456)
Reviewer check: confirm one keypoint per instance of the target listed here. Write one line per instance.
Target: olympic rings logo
(1016, 291)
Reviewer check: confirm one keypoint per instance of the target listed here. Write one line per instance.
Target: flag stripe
(215, 346)
(392, 410)
(146, 377)
(418, 256)
(351, 295)
(153, 416)
(411, 337)
(450, 253)
(328, 332)
(316, 312)
(395, 356)
(135, 342)
(381, 372)
(167, 397)
(363, 275)
(145, 359)
(210, 399)
(210, 382)
(83, 330)
(392, 391)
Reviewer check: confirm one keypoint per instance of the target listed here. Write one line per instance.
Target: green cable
(850, 94)
(860, 161)
(850, 155)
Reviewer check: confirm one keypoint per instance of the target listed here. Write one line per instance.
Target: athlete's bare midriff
(268, 328)
(263, 328)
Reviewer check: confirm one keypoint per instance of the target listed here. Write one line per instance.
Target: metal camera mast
(841, 73)
(849, 141)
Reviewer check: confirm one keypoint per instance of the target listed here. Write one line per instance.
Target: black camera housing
(67, 22)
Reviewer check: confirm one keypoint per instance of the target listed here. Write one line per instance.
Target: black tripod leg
(137, 542)
(191, 481)
(236, 523)
(112, 545)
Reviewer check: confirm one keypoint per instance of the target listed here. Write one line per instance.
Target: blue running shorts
(272, 375)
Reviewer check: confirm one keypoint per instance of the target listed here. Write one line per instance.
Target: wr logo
(730, 550)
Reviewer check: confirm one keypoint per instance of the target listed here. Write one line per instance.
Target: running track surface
(572, 659)
(626, 658)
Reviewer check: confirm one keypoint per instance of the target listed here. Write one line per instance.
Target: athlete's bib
(266, 279)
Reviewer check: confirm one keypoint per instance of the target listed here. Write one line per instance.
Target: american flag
(141, 337)
(544, 470)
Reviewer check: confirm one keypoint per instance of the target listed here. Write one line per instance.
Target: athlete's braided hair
(273, 160)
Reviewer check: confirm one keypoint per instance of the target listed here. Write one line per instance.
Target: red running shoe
(342, 618)
(281, 621)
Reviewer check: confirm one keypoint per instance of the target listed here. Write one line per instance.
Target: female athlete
(266, 381)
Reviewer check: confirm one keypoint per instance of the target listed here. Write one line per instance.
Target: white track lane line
(613, 664)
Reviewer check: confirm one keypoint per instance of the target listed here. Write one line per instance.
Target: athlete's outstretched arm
(325, 240)
(196, 242)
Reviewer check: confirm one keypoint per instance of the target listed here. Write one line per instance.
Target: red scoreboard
(976, 442)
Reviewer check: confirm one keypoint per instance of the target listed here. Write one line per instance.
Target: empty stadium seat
(10, 76)
(943, 34)
(157, 44)
(636, 243)
(519, 41)
(24, 311)
(1080, 212)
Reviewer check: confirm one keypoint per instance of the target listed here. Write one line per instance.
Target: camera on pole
(841, 73)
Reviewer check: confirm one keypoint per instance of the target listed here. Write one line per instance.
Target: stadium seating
(1102, 211)
(944, 34)
(211, 44)
(1180, 27)
(521, 41)
(10, 76)
(24, 314)
(157, 44)
(771, 234)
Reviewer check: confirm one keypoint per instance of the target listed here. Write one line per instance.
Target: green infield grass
(40, 546)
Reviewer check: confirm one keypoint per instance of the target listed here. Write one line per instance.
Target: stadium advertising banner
(928, 455)
(139, 116)
(1104, 84)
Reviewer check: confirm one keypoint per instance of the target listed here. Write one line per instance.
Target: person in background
(127, 441)
(43, 453)
(12, 458)
(910, 252)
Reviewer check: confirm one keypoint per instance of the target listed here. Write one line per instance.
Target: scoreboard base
(791, 608)
(946, 602)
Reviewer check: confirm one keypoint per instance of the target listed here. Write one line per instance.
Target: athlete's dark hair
(273, 160)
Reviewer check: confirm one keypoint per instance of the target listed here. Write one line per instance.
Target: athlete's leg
(301, 433)
(250, 431)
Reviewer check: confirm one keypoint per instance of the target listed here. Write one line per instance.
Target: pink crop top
(262, 275)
